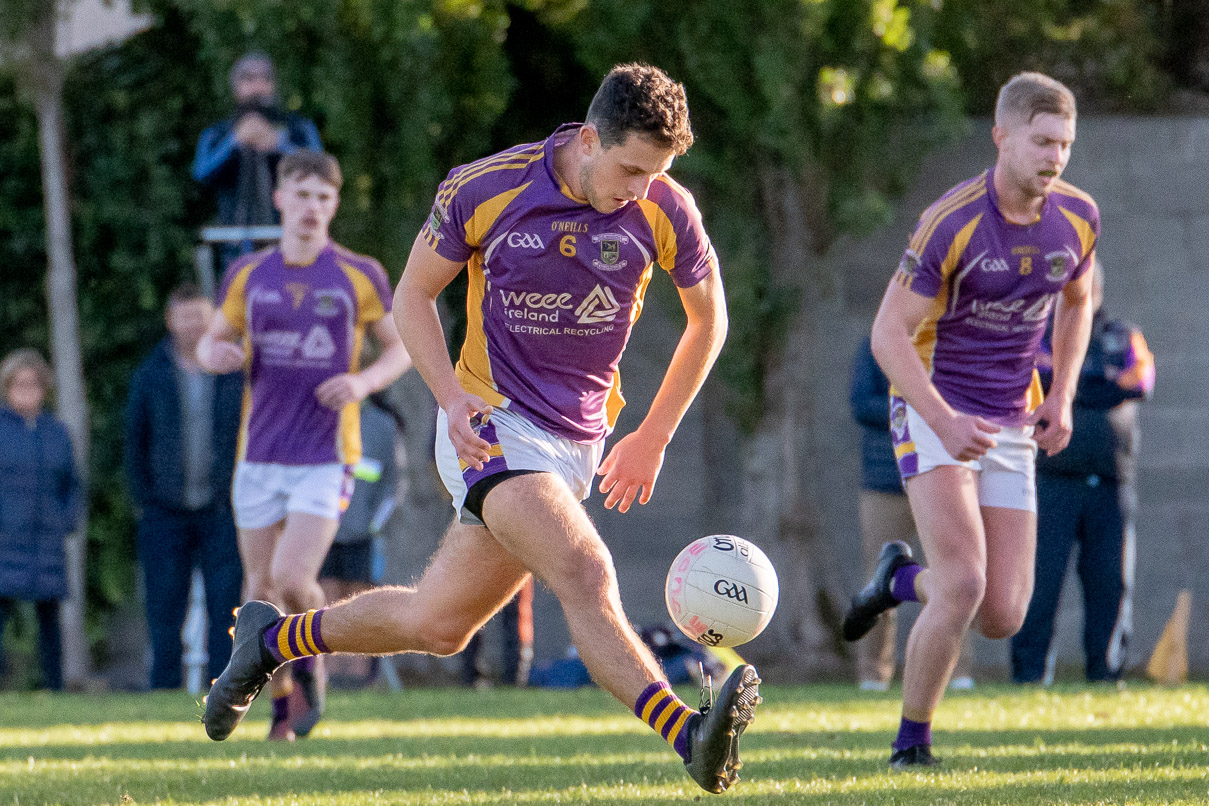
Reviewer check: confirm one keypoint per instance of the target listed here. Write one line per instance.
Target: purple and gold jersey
(300, 326)
(993, 284)
(555, 286)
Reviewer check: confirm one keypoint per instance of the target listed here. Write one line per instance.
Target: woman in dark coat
(40, 503)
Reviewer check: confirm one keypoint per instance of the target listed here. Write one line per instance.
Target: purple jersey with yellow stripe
(554, 285)
(993, 284)
(300, 326)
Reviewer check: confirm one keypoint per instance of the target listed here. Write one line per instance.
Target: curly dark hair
(644, 100)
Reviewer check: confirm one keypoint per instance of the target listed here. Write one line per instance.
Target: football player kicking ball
(296, 315)
(560, 238)
(957, 335)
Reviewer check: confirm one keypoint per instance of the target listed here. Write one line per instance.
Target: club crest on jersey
(1057, 265)
(909, 264)
(610, 251)
(325, 304)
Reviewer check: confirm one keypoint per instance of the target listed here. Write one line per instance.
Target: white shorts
(516, 444)
(1006, 473)
(263, 493)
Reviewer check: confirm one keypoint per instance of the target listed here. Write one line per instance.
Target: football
(721, 591)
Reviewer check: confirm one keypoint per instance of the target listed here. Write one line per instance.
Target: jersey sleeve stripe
(369, 305)
(932, 218)
(487, 212)
(925, 334)
(1067, 189)
(236, 302)
(1084, 229)
(664, 232)
(516, 160)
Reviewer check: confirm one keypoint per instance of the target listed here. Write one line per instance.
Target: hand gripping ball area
(721, 591)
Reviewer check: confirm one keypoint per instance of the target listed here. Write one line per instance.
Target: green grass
(809, 745)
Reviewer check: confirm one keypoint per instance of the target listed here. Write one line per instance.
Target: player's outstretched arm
(217, 350)
(632, 466)
(964, 436)
(1072, 330)
(419, 325)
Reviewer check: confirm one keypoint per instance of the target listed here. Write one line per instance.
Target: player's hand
(340, 390)
(1053, 423)
(468, 413)
(630, 470)
(967, 437)
(222, 357)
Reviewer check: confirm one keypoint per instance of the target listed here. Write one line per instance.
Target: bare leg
(470, 577)
(1011, 545)
(297, 558)
(945, 504)
(539, 521)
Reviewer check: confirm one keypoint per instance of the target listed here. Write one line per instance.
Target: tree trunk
(782, 467)
(46, 74)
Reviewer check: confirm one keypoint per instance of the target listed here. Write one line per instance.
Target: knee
(295, 588)
(588, 574)
(1003, 621)
(962, 592)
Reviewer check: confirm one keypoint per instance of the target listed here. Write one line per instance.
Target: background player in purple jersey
(957, 334)
(559, 238)
(295, 317)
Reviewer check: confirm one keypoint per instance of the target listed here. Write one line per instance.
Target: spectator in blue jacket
(237, 157)
(182, 427)
(1086, 496)
(40, 504)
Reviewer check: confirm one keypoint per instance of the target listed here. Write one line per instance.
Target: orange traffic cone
(1168, 664)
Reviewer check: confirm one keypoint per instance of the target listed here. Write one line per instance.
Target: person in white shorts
(559, 239)
(294, 317)
(958, 334)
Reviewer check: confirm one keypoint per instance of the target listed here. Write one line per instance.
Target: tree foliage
(810, 115)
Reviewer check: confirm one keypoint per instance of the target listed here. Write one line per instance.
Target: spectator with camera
(237, 157)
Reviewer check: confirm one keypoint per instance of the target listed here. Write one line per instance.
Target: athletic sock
(902, 584)
(911, 734)
(296, 636)
(659, 707)
(281, 708)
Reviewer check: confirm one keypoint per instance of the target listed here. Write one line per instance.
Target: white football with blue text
(721, 591)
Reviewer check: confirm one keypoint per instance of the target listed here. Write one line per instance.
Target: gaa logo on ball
(721, 591)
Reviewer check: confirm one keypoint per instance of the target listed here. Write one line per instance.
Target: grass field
(809, 745)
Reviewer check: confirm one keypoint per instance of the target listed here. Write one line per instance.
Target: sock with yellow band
(659, 707)
(296, 636)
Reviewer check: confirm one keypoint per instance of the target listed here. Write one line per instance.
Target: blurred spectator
(516, 654)
(1086, 495)
(885, 515)
(182, 427)
(237, 157)
(355, 561)
(40, 504)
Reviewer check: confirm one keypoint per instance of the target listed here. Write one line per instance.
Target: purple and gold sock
(911, 733)
(902, 584)
(296, 636)
(281, 708)
(659, 707)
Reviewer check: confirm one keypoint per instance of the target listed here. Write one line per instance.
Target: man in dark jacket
(237, 157)
(182, 428)
(1087, 495)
